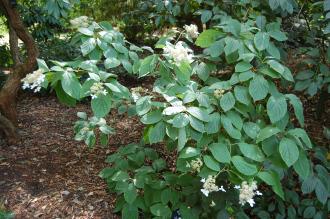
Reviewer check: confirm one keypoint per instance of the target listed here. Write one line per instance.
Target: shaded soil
(49, 175)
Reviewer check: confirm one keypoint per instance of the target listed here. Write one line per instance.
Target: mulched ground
(49, 175)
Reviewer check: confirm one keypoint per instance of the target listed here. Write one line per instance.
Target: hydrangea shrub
(215, 105)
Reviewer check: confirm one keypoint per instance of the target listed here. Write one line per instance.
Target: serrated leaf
(211, 163)
(220, 152)
(289, 151)
(276, 108)
(261, 40)
(227, 101)
(267, 132)
(258, 88)
(244, 167)
(251, 151)
(198, 113)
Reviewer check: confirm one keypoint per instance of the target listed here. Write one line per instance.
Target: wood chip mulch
(50, 175)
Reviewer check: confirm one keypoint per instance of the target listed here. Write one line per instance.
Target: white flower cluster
(195, 165)
(82, 21)
(96, 89)
(218, 93)
(210, 186)
(192, 30)
(178, 52)
(247, 192)
(33, 80)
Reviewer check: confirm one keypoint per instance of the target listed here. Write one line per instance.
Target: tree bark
(8, 94)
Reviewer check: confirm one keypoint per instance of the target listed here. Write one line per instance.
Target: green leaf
(276, 108)
(302, 166)
(88, 46)
(309, 184)
(220, 152)
(182, 138)
(120, 48)
(227, 101)
(189, 152)
(173, 110)
(86, 31)
(261, 41)
(273, 51)
(242, 95)
(213, 125)
(232, 26)
(271, 178)
(198, 113)
(148, 64)
(228, 126)
(251, 151)
(274, 4)
(321, 192)
(216, 49)
(180, 120)
(206, 16)
(42, 65)
(130, 194)
(298, 134)
(152, 117)
(261, 22)
(63, 97)
(251, 129)
(309, 212)
(243, 66)
(244, 167)
(258, 88)
(232, 45)
(101, 105)
(298, 108)
(143, 105)
(276, 66)
(161, 210)
(278, 35)
(211, 163)
(157, 133)
(183, 72)
(289, 151)
(196, 124)
(208, 37)
(267, 132)
(130, 212)
(111, 63)
(71, 85)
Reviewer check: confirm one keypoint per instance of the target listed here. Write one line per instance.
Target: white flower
(166, 2)
(205, 192)
(178, 52)
(192, 30)
(96, 89)
(196, 165)
(222, 189)
(210, 186)
(33, 80)
(82, 21)
(247, 192)
(212, 204)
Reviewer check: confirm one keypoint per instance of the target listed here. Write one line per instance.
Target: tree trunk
(8, 94)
